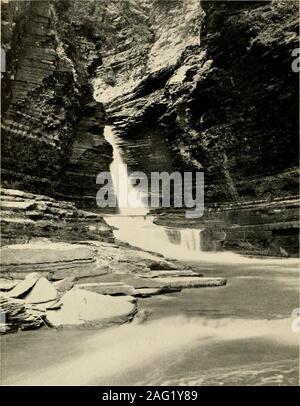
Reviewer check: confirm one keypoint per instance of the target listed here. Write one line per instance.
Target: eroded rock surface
(220, 110)
(45, 257)
(27, 216)
(89, 309)
(129, 260)
(97, 297)
(189, 282)
(16, 314)
(106, 288)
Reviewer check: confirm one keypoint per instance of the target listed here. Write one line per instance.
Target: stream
(239, 334)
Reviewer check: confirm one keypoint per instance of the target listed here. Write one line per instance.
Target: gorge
(162, 78)
(150, 85)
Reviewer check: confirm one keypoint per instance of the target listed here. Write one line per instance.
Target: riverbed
(238, 334)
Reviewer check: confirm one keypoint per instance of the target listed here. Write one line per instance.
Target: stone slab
(24, 286)
(41, 253)
(146, 292)
(83, 271)
(106, 288)
(43, 291)
(190, 282)
(8, 284)
(178, 273)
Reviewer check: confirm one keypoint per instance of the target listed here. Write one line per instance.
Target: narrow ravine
(185, 85)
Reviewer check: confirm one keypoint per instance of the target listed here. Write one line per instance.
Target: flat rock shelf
(41, 283)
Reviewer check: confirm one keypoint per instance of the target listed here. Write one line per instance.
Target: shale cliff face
(228, 105)
(213, 82)
(187, 85)
(242, 112)
(52, 128)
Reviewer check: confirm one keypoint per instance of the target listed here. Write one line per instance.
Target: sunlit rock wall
(140, 38)
(229, 107)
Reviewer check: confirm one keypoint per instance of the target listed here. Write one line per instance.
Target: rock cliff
(142, 38)
(52, 128)
(189, 85)
(228, 105)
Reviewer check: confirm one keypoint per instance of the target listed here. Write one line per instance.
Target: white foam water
(183, 244)
(136, 228)
(114, 351)
(122, 184)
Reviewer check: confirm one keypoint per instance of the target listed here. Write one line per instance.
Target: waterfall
(132, 224)
(191, 239)
(130, 200)
(186, 239)
(134, 227)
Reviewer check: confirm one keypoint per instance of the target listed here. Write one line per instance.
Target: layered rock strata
(15, 314)
(260, 227)
(87, 309)
(101, 292)
(52, 129)
(47, 258)
(228, 115)
(228, 106)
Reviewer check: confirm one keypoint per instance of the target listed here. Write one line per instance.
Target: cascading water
(134, 225)
(195, 337)
(122, 184)
(191, 239)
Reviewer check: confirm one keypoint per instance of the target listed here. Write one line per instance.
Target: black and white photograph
(149, 196)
